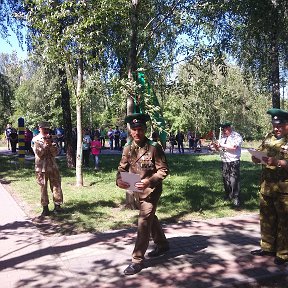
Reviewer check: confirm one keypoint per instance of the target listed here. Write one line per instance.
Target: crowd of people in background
(193, 140)
(93, 140)
(109, 138)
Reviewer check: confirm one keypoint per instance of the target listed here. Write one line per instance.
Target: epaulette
(152, 143)
(269, 134)
(129, 142)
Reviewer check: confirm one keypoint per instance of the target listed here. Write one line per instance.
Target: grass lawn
(193, 190)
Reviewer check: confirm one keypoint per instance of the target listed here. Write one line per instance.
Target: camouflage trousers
(231, 180)
(274, 224)
(53, 177)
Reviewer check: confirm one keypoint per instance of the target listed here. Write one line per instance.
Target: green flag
(155, 115)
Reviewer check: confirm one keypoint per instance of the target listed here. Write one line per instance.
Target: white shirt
(233, 140)
(86, 142)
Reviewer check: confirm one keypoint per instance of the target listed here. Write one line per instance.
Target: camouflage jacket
(44, 155)
(274, 179)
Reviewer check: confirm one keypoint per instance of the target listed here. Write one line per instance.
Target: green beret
(279, 116)
(137, 120)
(225, 124)
(44, 124)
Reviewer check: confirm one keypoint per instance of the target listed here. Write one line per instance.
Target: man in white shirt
(229, 146)
(8, 132)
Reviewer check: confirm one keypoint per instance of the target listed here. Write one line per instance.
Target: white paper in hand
(258, 154)
(132, 179)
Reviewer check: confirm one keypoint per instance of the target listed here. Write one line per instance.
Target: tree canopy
(253, 32)
(199, 56)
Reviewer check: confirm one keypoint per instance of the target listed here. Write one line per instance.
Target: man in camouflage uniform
(274, 190)
(46, 168)
(146, 158)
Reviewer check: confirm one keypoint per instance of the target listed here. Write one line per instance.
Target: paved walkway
(212, 253)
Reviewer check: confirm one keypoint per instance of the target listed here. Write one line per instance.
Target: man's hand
(48, 142)
(143, 184)
(271, 161)
(122, 184)
(255, 160)
(215, 145)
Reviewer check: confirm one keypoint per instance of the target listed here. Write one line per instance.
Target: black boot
(57, 209)
(261, 252)
(45, 211)
(280, 261)
(133, 268)
(159, 251)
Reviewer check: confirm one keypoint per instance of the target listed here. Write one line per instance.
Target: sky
(13, 46)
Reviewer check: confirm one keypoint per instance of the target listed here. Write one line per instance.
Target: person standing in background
(35, 131)
(172, 142)
(190, 139)
(28, 136)
(102, 136)
(123, 138)
(180, 141)
(95, 150)
(13, 140)
(59, 132)
(46, 168)
(110, 135)
(116, 134)
(8, 131)
(86, 148)
(229, 146)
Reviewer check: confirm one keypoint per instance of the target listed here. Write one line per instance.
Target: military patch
(129, 142)
(152, 143)
(146, 162)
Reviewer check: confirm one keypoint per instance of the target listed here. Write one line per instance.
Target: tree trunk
(65, 104)
(79, 172)
(132, 57)
(275, 75)
(132, 68)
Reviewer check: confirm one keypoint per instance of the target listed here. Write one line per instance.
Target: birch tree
(68, 34)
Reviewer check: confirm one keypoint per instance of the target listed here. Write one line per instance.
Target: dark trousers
(13, 146)
(231, 180)
(117, 143)
(102, 140)
(180, 147)
(28, 147)
(86, 155)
